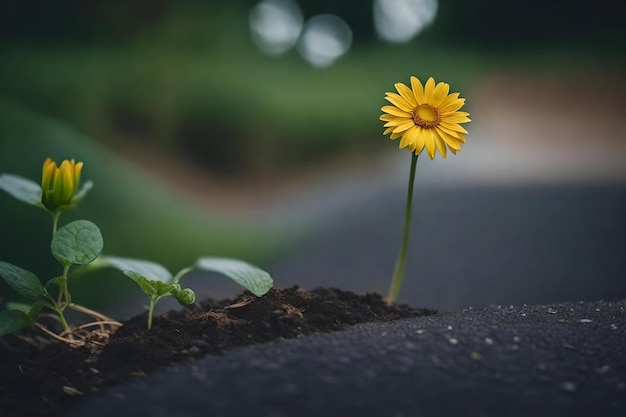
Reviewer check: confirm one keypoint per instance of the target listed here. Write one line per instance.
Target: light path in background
(525, 131)
(530, 211)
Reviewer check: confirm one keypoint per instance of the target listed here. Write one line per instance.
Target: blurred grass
(233, 109)
(208, 94)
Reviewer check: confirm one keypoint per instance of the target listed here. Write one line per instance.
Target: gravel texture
(541, 360)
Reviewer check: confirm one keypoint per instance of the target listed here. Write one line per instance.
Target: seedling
(81, 243)
(77, 243)
(157, 282)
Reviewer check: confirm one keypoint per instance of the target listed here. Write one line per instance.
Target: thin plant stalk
(151, 311)
(55, 221)
(398, 274)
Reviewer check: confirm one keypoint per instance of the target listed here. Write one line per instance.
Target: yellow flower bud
(59, 184)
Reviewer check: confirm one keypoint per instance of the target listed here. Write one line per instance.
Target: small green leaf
(18, 306)
(82, 193)
(54, 281)
(150, 270)
(24, 282)
(255, 280)
(144, 284)
(21, 188)
(184, 296)
(163, 289)
(12, 321)
(32, 311)
(35, 310)
(79, 243)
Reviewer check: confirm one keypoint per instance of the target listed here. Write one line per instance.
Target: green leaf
(21, 188)
(12, 321)
(79, 243)
(144, 284)
(150, 270)
(255, 280)
(82, 193)
(35, 310)
(54, 281)
(24, 282)
(32, 311)
(163, 289)
(184, 296)
(11, 305)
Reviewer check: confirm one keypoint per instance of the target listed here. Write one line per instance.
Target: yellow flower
(59, 184)
(425, 117)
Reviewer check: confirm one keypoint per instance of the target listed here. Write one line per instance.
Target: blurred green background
(120, 85)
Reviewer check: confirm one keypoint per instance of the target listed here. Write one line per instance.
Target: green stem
(53, 305)
(182, 272)
(150, 311)
(66, 291)
(398, 274)
(55, 221)
(62, 319)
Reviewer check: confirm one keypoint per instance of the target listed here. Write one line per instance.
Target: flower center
(426, 116)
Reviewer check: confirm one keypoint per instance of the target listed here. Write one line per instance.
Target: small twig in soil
(245, 300)
(292, 310)
(221, 318)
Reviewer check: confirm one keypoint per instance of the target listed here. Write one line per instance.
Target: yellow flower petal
(453, 126)
(429, 89)
(441, 145)
(418, 143)
(404, 126)
(456, 118)
(429, 142)
(448, 131)
(406, 93)
(398, 121)
(411, 135)
(399, 102)
(451, 141)
(395, 111)
(418, 90)
(451, 105)
(440, 93)
(406, 140)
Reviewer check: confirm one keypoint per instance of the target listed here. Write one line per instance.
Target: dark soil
(39, 377)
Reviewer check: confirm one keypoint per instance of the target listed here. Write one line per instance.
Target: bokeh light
(275, 25)
(402, 20)
(325, 38)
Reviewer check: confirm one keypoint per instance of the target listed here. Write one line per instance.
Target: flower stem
(398, 274)
(55, 221)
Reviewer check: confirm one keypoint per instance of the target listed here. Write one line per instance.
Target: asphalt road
(544, 360)
(472, 245)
